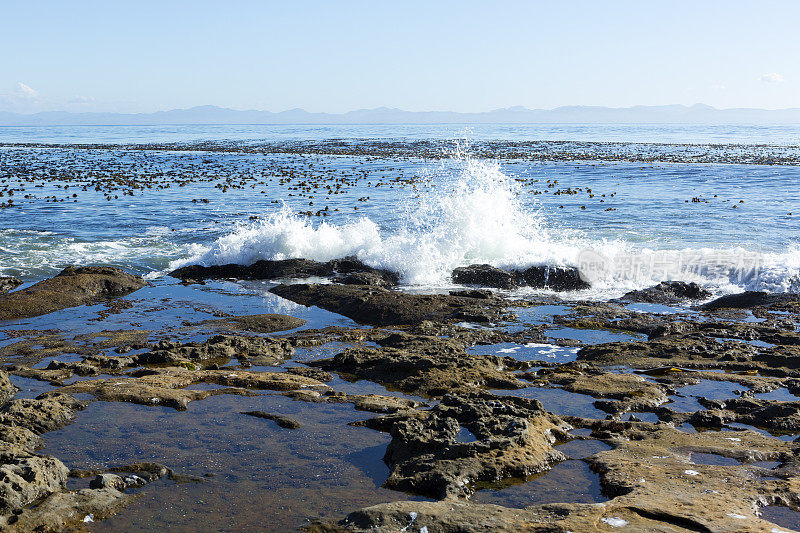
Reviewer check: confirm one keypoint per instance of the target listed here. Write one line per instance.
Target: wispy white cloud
(26, 92)
(20, 97)
(772, 77)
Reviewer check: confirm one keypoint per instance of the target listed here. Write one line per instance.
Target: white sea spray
(474, 215)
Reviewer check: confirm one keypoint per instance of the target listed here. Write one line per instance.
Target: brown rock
(630, 392)
(70, 288)
(7, 389)
(425, 374)
(167, 386)
(25, 478)
(222, 348)
(40, 415)
(282, 421)
(265, 323)
(513, 438)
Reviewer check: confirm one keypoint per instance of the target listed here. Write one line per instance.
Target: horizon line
(514, 108)
(385, 124)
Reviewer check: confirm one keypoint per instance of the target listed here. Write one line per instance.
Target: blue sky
(336, 56)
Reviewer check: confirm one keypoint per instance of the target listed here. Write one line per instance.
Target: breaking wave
(474, 215)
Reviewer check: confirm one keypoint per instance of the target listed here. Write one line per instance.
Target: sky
(465, 56)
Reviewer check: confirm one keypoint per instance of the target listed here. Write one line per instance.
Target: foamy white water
(475, 216)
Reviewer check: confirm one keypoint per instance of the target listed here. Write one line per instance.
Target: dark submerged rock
(749, 300)
(72, 287)
(282, 421)
(668, 292)
(482, 294)
(556, 278)
(551, 277)
(382, 307)
(485, 276)
(287, 268)
(373, 279)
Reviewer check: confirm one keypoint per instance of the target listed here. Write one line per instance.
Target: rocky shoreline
(691, 411)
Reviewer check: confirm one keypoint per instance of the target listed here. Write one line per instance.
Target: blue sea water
(627, 224)
(747, 134)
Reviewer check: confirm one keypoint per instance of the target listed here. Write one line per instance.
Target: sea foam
(474, 215)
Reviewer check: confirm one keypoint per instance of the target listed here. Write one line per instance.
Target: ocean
(629, 205)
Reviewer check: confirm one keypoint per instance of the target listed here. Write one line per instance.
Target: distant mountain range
(696, 114)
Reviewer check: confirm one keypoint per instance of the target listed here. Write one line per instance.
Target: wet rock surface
(776, 416)
(484, 275)
(7, 389)
(41, 414)
(27, 478)
(221, 349)
(264, 323)
(374, 279)
(458, 421)
(613, 317)
(381, 307)
(168, 386)
(752, 299)
(668, 292)
(428, 372)
(653, 481)
(621, 393)
(72, 287)
(348, 270)
(282, 421)
(650, 471)
(482, 294)
(513, 438)
(557, 278)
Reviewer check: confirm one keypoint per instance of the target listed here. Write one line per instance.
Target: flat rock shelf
(351, 405)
